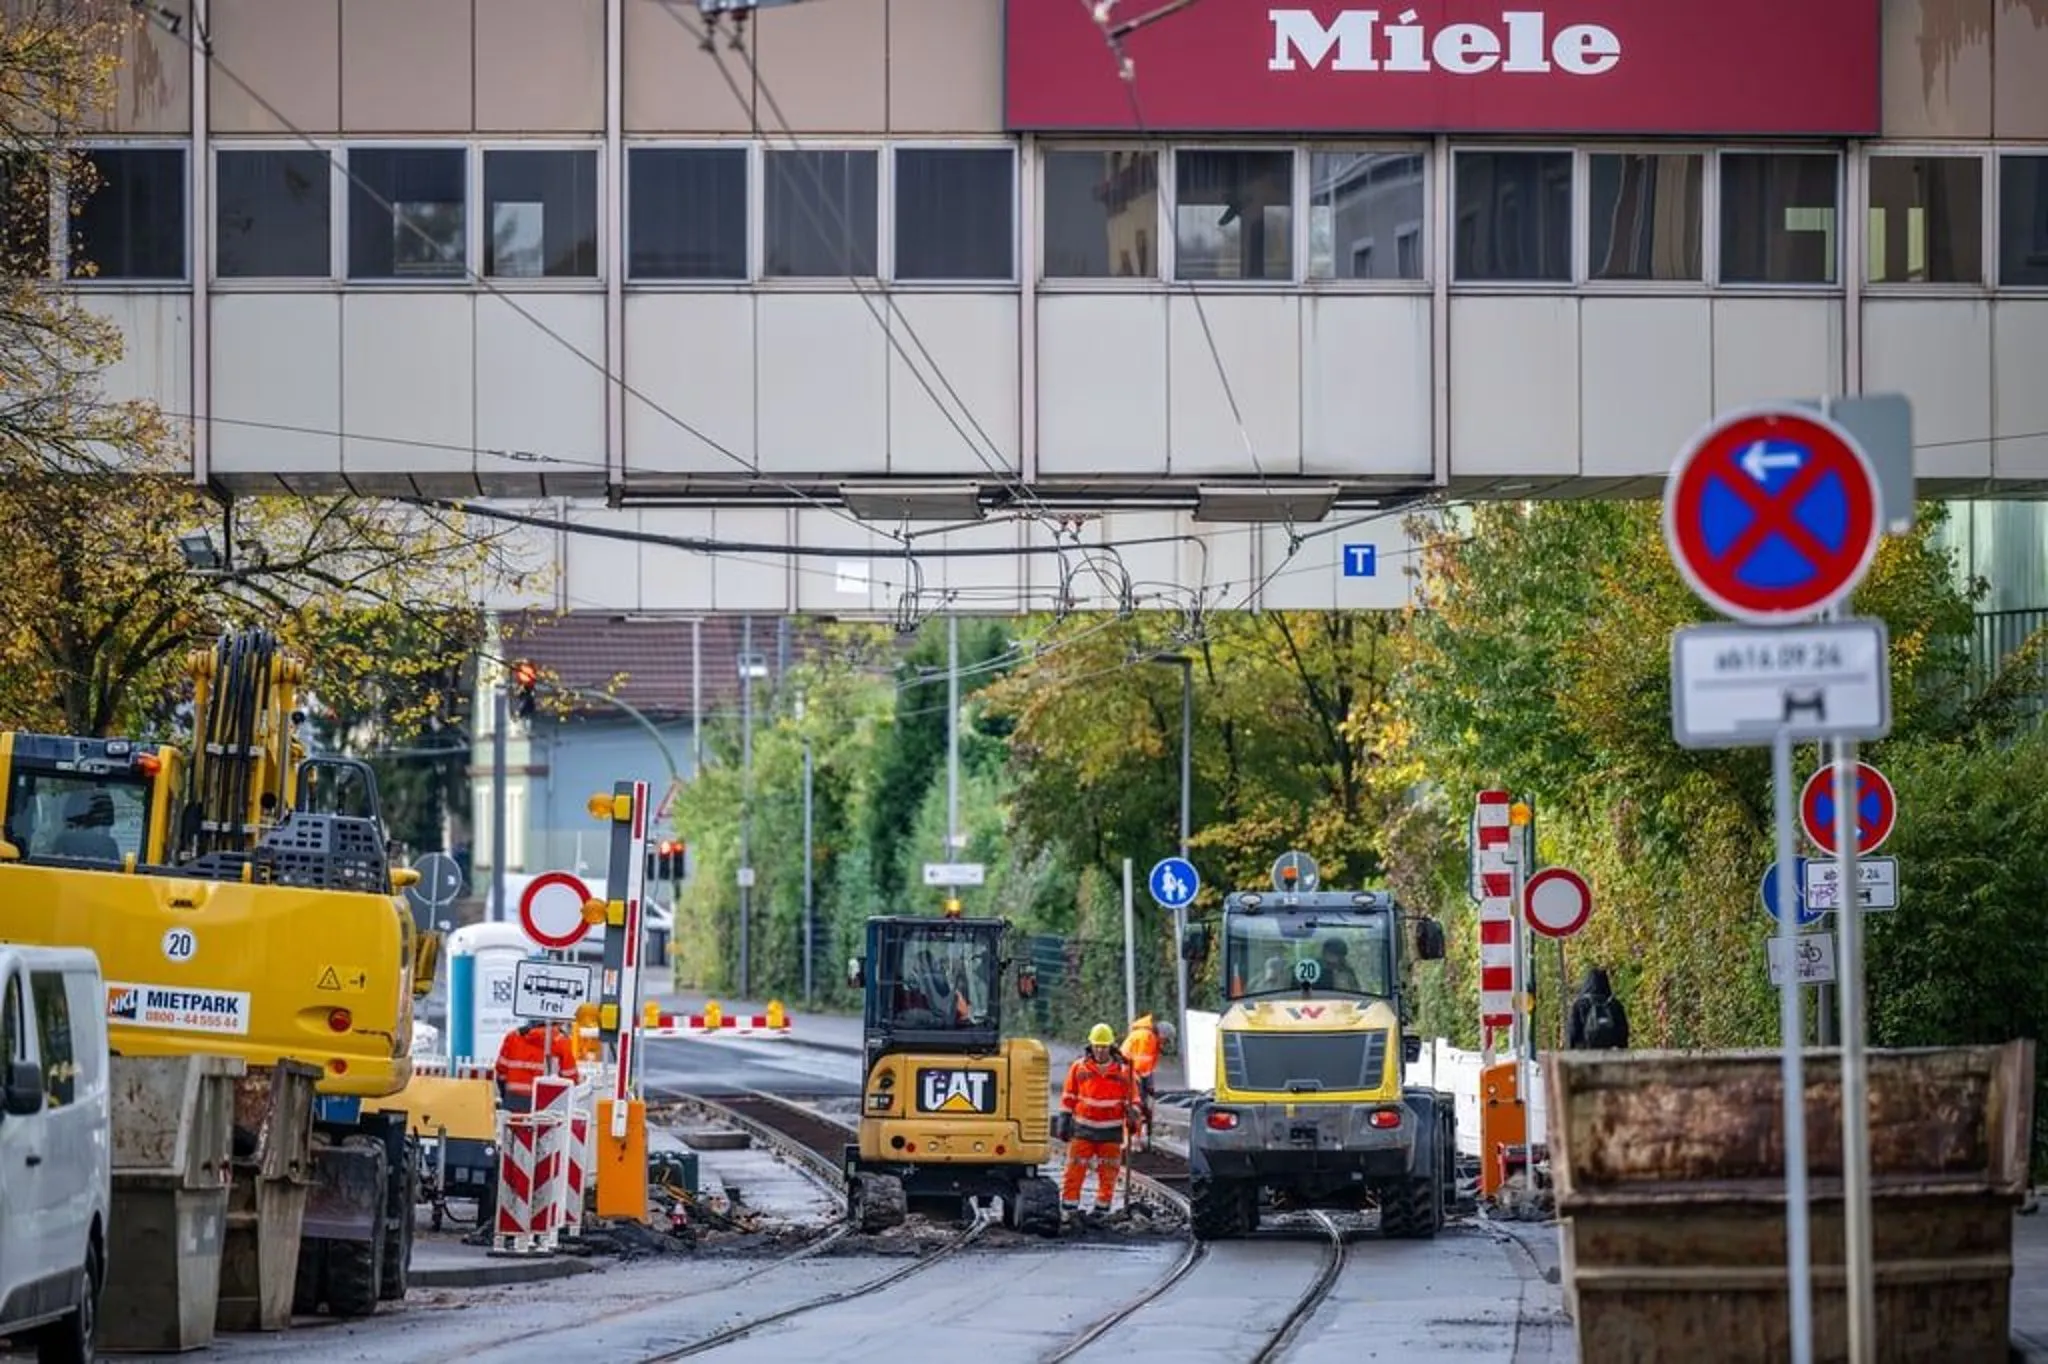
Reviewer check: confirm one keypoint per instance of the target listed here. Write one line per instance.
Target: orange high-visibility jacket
(1101, 1098)
(522, 1058)
(1142, 1047)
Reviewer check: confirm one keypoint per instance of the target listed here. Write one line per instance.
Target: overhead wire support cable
(473, 276)
(986, 451)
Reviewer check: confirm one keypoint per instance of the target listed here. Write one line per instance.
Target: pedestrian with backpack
(1598, 1022)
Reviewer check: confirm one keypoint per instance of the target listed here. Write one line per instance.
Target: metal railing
(2001, 634)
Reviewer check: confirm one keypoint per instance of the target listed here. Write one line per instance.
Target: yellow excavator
(242, 903)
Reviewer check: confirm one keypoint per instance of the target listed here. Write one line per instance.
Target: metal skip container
(173, 1123)
(273, 1170)
(1670, 1176)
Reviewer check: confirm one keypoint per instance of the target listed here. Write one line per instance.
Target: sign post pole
(1855, 1066)
(1174, 883)
(1772, 516)
(1792, 1032)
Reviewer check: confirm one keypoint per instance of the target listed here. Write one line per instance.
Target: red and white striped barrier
(727, 1025)
(531, 1172)
(452, 1070)
(1497, 965)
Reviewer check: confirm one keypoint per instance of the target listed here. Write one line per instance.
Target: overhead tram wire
(987, 450)
(1099, 14)
(198, 42)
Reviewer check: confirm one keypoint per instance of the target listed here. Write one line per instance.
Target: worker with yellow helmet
(1099, 1102)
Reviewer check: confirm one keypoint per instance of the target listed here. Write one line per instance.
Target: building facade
(1325, 258)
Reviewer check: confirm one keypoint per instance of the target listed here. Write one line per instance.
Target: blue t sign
(1361, 561)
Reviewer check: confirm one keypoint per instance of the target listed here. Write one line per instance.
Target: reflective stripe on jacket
(1101, 1098)
(522, 1058)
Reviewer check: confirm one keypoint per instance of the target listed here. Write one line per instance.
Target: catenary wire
(200, 43)
(1099, 15)
(987, 451)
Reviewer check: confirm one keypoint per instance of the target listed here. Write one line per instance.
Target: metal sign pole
(1855, 1067)
(1792, 1031)
(1131, 948)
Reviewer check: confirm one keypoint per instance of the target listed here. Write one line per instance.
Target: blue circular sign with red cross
(1877, 809)
(1771, 514)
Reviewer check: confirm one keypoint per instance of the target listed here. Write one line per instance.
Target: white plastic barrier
(543, 1166)
(1442, 1066)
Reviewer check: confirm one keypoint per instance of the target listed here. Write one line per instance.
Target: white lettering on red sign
(1354, 37)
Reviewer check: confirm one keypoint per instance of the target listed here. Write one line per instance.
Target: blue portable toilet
(482, 961)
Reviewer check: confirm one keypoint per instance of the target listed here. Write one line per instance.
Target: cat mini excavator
(951, 1111)
(242, 903)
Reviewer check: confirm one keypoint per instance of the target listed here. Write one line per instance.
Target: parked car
(56, 1161)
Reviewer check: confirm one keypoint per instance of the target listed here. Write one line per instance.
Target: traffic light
(524, 678)
(665, 860)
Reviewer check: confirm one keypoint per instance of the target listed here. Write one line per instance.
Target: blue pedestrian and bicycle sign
(1769, 893)
(1772, 515)
(1174, 882)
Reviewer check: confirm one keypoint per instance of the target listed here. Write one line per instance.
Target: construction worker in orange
(1100, 1100)
(1141, 1048)
(532, 1050)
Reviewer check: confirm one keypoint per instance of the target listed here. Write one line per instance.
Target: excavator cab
(951, 1111)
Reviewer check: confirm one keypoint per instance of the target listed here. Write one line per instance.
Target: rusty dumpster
(273, 1170)
(173, 1118)
(1670, 1176)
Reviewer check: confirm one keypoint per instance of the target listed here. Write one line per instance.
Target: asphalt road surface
(711, 1068)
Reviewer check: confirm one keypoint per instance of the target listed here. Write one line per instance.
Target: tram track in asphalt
(815, 1144)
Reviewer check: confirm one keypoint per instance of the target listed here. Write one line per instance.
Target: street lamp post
(1186, 665)
(750, 668)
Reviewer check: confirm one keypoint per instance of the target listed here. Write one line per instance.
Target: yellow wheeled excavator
(241, 900)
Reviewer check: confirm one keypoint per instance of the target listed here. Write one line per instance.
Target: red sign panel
(1730, 68)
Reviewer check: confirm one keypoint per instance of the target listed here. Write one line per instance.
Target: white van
(56, 1150)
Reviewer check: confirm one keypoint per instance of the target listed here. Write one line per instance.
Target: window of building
(1513, 217)
(1645, 216)
(1101, 214)
(956, 216)
(540, 214)
(1926, 220)
(24, 216)
(406, 213)
(821, 214)
(273, 214)
(1778, 216)
(1233, 215)
(2023, 222)
(128, 214)
(1365, 212)
(686, 213)
(515, 828)
(53, 1031)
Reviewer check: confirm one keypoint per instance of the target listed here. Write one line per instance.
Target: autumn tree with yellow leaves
(100, 598)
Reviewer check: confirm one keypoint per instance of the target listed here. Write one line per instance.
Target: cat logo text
(956, 1091)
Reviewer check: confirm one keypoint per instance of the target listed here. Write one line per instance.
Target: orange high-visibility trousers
(1106, 1157)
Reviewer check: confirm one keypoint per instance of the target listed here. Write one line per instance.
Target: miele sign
(1729, 67)
(1359, 44)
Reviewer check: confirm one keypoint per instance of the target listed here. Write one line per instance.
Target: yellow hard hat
(1101, 1036)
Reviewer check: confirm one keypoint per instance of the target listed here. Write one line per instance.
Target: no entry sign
(1557, 902)
(551, 910)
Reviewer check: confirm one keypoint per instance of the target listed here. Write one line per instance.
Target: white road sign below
(1877, 883)
(954, 873)
(1735, 686)
(1816, 954)
(550, 990)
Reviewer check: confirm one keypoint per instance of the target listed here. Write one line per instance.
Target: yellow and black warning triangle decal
(959, 1103)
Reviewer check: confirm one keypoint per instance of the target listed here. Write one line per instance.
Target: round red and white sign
(551, 910)
(1557, 902)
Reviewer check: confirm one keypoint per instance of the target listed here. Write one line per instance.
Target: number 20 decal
(181, 944)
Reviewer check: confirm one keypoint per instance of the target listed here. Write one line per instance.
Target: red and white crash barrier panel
(452, 1070)
(571, 1104)
(727, 1025)
(531, 1161)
